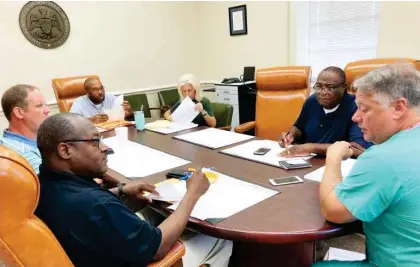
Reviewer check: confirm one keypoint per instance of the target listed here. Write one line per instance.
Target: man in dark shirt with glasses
(91, 223)
(325, 118)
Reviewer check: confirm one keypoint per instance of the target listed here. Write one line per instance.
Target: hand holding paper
(185, 112)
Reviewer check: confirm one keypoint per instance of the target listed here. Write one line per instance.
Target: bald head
(58, 128)
(95, 90)
(337, 71)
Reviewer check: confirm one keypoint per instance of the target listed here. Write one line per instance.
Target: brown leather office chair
(24, 239)
(66, 90)
(281, 92)
(357, 69)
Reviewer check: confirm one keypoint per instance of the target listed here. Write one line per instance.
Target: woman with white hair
(189, 87)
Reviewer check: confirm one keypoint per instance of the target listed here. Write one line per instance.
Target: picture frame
(237, 20)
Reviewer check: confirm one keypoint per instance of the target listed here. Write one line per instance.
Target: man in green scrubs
(383, 188)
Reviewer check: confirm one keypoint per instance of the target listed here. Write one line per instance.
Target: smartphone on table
(262, 151)
(286, 180)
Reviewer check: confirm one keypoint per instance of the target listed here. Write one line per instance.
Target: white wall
(128, 44)
(398, 29)
(265, 45)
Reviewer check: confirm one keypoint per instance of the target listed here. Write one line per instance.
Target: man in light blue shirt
(383, 188)
(96, 101)
(25, 108)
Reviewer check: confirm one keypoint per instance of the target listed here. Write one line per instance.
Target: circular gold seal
(44, 24)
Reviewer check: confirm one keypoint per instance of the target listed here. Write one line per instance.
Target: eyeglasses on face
(327, 87)
(97, 141)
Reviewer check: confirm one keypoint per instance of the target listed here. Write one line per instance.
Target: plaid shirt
(26, 147)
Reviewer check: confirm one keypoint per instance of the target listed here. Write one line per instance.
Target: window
(335, 33)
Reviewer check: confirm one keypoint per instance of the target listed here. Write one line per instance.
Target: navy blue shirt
(94, 227)
(319, 127)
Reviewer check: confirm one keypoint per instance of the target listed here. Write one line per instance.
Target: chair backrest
(24, 239)
(168, 97)
(281, 92)
(138, 100)
(223, 113)
(357, 69)
(66, 90)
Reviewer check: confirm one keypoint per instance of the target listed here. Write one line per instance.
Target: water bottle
(139, 119)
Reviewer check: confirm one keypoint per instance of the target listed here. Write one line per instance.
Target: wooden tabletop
(289, 217)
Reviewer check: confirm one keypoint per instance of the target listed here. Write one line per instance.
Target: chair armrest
(172, 257)
(245, 127)
(227, 128)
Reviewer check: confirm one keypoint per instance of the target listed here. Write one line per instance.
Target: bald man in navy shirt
(325, 118)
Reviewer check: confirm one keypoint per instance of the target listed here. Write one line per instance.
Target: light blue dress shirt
(85, 107)
(26, 147)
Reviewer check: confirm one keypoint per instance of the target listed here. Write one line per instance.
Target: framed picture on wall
(237, 20)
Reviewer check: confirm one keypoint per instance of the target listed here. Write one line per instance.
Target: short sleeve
(356, 135)
(207, 106)
(175, 106)
(123, 235)
(370, 188)
(302, 119)
(77, 107)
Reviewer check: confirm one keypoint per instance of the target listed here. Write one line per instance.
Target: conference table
(279, 231)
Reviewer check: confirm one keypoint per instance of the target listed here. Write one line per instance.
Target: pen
(185, 177)
(282, 141)
(353, 146)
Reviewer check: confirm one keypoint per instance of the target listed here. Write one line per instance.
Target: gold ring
(288, 152)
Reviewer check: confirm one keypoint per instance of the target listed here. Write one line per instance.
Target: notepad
(317, 175)
(213, 138)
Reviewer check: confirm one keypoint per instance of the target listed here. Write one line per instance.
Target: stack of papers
(223, 199)
(317, 175)
(167, 127)
(272, 158)
(135, 160)
(343, 255)
(213, 138)
(185, 112)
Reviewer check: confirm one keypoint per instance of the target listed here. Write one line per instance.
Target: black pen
(356, 148)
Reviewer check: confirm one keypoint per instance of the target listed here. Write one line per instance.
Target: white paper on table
(213, 138)
(246, 151)
(185, 112)
(346, 167)
(226, 197)
(168, 128)
(343, 255)
(168, 192)
(135, 160)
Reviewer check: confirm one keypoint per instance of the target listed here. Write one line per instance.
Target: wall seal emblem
(44, 24)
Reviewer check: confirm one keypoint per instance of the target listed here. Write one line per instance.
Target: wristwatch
(204, 114)
(120, 190)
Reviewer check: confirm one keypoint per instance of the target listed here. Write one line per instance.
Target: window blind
(337, 32)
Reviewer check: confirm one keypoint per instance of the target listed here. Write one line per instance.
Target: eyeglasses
(328, 87)
(98, 141)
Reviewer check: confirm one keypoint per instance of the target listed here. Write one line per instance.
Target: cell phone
(262, 151)
(286, 180)
(294, 164)
(177, 173)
